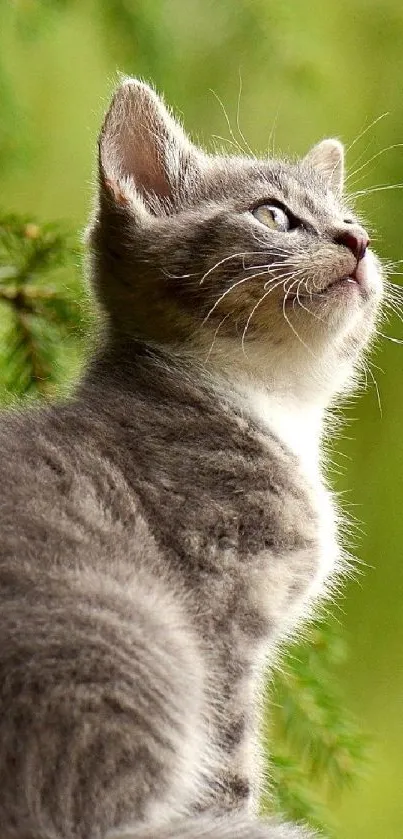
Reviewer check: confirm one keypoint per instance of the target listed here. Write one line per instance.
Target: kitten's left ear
(328, 158)
(145, 158)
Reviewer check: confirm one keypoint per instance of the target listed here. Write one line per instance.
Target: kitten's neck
(295, 418)
(298, 423)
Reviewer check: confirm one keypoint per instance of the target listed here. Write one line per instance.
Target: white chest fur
(299, 427)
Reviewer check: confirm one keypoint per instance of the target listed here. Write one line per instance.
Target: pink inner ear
(140, 142)
(149, 173)
(140, 149)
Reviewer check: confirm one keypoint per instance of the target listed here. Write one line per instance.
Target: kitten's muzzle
(348, 278)
(363, 278)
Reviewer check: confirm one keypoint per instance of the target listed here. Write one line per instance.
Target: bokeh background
(300, 71)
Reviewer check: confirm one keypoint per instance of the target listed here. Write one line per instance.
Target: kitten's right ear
(145, 158)
(327, 157)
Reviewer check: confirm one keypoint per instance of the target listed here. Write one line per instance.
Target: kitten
(164, 529)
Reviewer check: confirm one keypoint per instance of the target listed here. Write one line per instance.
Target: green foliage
(315, 747)
(39, 314)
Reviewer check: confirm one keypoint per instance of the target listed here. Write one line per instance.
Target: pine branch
(316, 747)
(289, 794)
(38, 315)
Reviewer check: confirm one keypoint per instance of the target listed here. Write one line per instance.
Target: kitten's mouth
(359, 284)
(356, 282)
(342, 282)
(332, 287)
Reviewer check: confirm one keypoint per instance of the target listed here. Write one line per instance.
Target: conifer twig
(37, 313)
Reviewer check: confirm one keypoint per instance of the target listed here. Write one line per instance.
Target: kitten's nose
(355, 238)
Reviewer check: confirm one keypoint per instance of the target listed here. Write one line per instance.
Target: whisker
(238, 255)
(368, 368)
(227, 259)
(177, 276)
(391, 301)
(272, 136)
(365, 131)
(227, 291)
(394, 307)
(215, 336)
(263, 297)
(288, 275)
(243, 152)
(374, 157)
(290, 324)
(226, 140)
(363, 153)
(298, 300)
(388, 337)
(389, 305)
(268, 265)
(365, 371)
(390, 295)
(395, 286)
(231, 288)
(267, 246)
(237, 117)
(393, 293)
(371, 190)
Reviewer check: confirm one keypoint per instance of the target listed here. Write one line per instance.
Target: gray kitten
(167, 527)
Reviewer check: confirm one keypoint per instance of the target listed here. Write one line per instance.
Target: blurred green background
(307, 69)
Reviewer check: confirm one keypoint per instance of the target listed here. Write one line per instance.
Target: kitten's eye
(272, 216)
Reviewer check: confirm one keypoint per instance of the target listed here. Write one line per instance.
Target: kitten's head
(255, 265)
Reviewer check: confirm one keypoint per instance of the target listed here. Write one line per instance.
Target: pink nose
(354, 238)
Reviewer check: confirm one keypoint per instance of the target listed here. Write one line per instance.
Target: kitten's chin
(330, 331)
(343, 311)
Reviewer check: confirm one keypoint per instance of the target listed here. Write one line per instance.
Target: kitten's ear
(328, 158)
(145, 158)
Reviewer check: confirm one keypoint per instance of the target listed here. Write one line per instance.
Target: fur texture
(166, 527)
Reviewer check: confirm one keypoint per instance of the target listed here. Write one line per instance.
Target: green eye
(272, 216)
